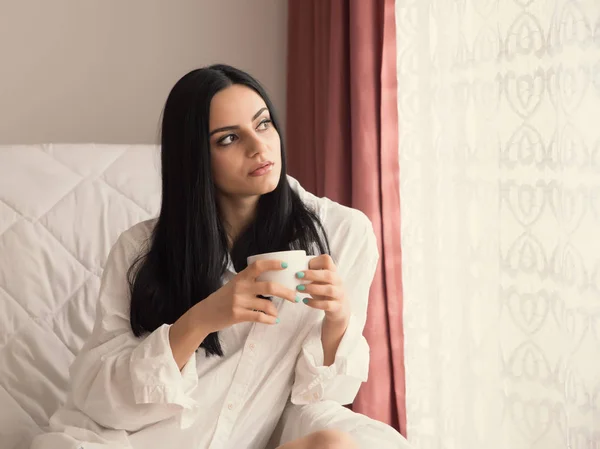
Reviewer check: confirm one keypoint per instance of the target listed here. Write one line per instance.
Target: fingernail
(301, 288)
(277, 321)
(297, 298)
(300, 275)
(305, 300)
(284, 265)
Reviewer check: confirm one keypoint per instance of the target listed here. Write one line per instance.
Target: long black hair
(188, 251)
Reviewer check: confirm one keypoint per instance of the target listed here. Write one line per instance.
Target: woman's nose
(256, 146)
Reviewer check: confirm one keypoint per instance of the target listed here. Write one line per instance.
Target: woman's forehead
(234, 105)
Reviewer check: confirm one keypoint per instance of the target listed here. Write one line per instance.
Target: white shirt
(129, 392)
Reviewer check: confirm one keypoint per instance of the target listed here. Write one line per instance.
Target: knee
(332, 439)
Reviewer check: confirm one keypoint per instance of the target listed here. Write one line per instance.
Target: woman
(189, 349)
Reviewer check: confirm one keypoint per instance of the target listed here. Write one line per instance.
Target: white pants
(300, 420)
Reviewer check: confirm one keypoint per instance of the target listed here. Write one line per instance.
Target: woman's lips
(260, 171)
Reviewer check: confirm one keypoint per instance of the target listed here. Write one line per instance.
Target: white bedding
(61, 209)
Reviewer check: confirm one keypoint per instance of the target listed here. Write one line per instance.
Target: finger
(259, 317)
(322, 262)
(262, 305)
(322, 304)
(322, 276)
(333, 292)
(274, 289)
(259, 267)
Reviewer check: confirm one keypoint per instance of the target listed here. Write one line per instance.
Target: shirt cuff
(155, 375)
(315, 382)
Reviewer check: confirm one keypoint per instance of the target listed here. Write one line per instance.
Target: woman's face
(245, 146)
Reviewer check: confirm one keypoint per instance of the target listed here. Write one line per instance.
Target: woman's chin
(267, 187)
(266, 184)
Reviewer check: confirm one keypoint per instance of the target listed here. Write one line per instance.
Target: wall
(100, 70)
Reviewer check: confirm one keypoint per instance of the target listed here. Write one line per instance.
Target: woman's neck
(237, 214)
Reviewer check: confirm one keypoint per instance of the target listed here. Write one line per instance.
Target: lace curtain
(499, 114)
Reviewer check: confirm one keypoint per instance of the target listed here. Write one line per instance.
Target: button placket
(241, 379)
(245, 370)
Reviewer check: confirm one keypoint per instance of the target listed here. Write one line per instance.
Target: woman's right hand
(237, 301)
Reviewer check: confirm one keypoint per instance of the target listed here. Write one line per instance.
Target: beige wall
(100, 70)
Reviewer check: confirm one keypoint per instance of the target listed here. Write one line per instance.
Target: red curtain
(342, 142)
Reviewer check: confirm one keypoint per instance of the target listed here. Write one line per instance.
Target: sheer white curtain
(499, 104)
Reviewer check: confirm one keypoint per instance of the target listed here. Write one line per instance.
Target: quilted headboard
(61, 209)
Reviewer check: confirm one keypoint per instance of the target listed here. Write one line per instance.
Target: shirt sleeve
(357, 257)
(121, 381)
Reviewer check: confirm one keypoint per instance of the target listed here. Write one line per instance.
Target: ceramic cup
(297, 260)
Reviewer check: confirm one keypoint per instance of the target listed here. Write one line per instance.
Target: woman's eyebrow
(260, 111)
(234, 127)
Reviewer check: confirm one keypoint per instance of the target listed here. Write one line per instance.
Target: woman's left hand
(326, 288)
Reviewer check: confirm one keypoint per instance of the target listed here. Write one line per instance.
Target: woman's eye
(227, 140)
(265, 124)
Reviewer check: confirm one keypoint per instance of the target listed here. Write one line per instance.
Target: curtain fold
(342, 142)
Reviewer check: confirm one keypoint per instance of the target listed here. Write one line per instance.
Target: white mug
(297, 260)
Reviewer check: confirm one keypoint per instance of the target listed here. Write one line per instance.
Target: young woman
(189, 349)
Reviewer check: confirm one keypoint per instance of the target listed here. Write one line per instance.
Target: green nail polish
(301, 288)
(284, 265)
(300, 275)
(277, 321)
(305, 300)
(297, 298)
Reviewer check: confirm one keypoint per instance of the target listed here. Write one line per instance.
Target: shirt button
(252, 346)
(230, 406)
